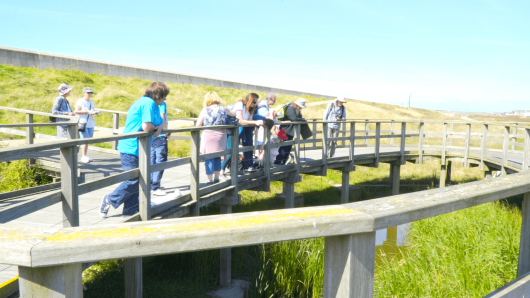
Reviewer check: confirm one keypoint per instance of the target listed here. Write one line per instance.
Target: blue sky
(452, 55)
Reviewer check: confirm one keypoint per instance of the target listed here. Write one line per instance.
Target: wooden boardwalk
(174, 179)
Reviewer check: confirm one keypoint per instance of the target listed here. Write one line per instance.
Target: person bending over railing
(244, 110)
(292, 113)
(143, 115)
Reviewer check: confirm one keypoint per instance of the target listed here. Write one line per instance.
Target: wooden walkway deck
(178, 179)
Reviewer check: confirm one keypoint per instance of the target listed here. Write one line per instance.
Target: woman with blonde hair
(244, 110)
(213, 140)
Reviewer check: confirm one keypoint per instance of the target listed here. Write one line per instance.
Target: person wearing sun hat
(61, 106)
(335, 111)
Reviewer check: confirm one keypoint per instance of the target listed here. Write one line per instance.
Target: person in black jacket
(292, 113)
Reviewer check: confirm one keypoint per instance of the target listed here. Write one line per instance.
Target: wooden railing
(349, 229)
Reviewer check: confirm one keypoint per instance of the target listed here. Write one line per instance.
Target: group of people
(149, 114)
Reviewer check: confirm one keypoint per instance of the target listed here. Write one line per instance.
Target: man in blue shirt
(143, 115)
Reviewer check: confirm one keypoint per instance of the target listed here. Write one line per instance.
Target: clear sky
(451, 55)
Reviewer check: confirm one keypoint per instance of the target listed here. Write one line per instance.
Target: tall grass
(19, 174)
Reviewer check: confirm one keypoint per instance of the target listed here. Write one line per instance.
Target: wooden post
(115, 128)
(352, 147)
(395, 178)
(505, 145)
(448, 173)
(144, 162)
(194, 185)
(524, 246)
(226, 257)
(288, 191)
(392, 132)
(345, 188)
(484, 145)
(403, 140)
(526, 149)
(443, 175)
(349, 262)
(297, 148)
(30, 135)
(55, 281)
(514, 138)
(234, 158)
(69, 195)
(343, 133)
(314, 133)
(366, 128)
(377, 142)
(267, 160)
(468, 144)
(133, 277)
(444, 145)
(420, 143)
(487, 175)
(451, 134)
(324, 149)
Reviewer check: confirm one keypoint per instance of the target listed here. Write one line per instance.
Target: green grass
(19, 174)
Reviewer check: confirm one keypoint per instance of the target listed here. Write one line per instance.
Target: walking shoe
(104, 209)
(86, 159)
(250, 170)
(158, 192)
(216, 180)
(290, 159)
(211, 182)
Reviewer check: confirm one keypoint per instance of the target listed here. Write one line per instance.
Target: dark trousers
(283, 153)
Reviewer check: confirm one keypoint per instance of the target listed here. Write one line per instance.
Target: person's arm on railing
(148, 126)
(239, 115)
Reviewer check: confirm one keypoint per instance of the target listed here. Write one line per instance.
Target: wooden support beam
(505, 146)
(69, 194)
(133, 277)
(267, 160)
(444, 144)
(514, 138)
(345, 188)
(395, 178)
(524, 246)
(226, 257)
(30, 135)
(526, 149)
(451, 129)
(420, 143)
(55, 281)
(349, 262)
(392, 132)
(324, 171)
(343, 125)
(314, 133)
(351, 167)
(115, 128)
(448, 173)
(487, 175)
(144, 176)
(468, 144)
(194, 165)
(288, 191)
(484, 145)
(403, 140)
(377, 143)
(443, 175)
(366, 128)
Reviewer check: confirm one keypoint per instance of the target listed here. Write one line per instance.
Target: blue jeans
(127, 192)
(283, 154)
(212, 165)
(158, 155)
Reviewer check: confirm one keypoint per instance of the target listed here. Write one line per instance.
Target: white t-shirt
(86, 106)
(240, 107)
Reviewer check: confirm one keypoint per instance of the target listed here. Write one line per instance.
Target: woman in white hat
(292, 113)
(61, 106)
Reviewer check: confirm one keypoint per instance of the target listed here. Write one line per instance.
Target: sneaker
(158, 192)
(86, 159)
(290, 159)
(211, 182)
(250, 170)
(216, 180)
(104, 209)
